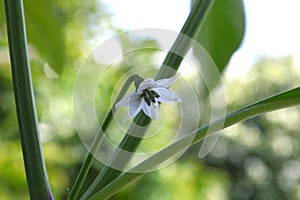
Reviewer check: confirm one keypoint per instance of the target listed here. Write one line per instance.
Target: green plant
(111, 180)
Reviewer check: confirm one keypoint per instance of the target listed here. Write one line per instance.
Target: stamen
(154, 93)
(147, 100)
(150, 95)
(147, 97)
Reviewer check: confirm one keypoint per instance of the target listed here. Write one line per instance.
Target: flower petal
(147, 83)
(166, 95)
(166, 82)
(124, 101)
(135, 105)
(151, 111)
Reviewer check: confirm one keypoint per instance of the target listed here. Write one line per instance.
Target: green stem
(168, 69)
(182, 43)
(97, 141)
(129, 143)
(36, 175)
(280, 101)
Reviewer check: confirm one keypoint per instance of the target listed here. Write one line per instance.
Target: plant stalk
(182, 43)
(36, 175)
(97, 141)
(168, 69)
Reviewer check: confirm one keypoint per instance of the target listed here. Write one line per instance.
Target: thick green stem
(27, 118)
(182, 43)
(130, 144)
(97, 141)
(168, 69)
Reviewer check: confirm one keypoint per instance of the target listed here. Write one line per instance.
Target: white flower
(147, 96)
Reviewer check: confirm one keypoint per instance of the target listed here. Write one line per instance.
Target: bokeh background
(257, 159)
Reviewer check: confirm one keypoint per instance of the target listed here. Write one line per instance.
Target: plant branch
(97, 141)
(182, 42)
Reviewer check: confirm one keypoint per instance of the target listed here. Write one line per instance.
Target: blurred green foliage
(58, 39)
(257, 159)
(261, 155)
(43, 24)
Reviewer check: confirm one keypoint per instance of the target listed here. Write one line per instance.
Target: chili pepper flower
(147, 95)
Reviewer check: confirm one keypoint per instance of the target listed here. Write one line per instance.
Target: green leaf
(45, 32)
(222, 31)
(279, 101)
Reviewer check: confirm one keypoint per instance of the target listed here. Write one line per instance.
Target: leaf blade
(276, 102)
(223, 31)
